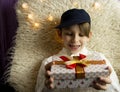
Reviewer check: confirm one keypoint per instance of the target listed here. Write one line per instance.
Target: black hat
(73, 16)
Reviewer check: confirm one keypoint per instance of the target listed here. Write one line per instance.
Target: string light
(25, 6)
(30, 16)
(96, 5)
(50, 18)
(36, 25)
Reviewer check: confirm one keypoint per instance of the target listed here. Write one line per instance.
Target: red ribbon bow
(81, 56)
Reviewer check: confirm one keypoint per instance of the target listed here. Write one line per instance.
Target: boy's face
(73, 39)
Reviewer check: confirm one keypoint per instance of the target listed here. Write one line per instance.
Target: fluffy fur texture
(32, 46)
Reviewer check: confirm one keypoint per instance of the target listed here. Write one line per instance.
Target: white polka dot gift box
(82, 74)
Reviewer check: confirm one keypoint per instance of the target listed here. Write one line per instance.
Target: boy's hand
(101, 82)
(49, 80)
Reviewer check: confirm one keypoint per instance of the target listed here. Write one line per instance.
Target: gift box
(82, 74)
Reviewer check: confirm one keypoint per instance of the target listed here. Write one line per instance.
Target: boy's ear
(59, 36)
(59, 32)
(90, 35)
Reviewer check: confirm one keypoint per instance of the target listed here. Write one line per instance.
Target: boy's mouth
(74, 47)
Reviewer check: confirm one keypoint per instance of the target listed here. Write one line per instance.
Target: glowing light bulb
(25, 6)
(36, 25)
(50, 18)
(30, 16)
(96, 5)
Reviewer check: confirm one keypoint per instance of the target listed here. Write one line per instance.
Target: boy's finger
(48, 66)
(49, 83)
(48, 73)
(110, 69)
(51, 79)
(100, 87)
(106, 80)
(100, 81)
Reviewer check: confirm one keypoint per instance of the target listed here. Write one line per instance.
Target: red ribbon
(81, 56)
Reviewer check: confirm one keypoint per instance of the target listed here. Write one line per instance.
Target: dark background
(8, 27)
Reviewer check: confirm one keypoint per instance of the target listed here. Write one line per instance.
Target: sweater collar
(65, 52)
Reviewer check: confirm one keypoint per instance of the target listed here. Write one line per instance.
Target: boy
(74, 30)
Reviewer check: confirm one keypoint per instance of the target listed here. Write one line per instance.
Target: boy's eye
(70, 34)
(81, 35)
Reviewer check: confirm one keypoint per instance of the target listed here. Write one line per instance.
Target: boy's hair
(84, 29)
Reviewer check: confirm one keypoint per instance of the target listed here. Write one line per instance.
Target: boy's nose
(75, 38)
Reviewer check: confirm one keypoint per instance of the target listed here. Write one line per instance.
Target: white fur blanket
(36, 42)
